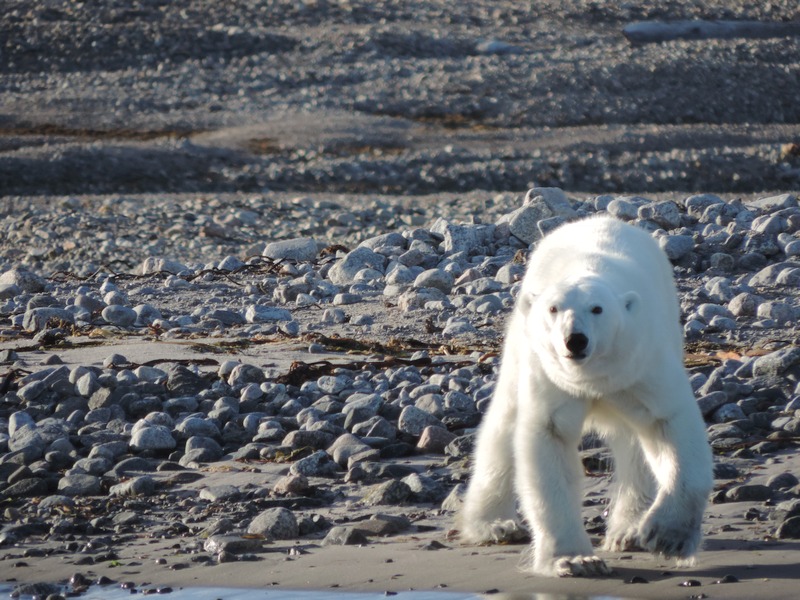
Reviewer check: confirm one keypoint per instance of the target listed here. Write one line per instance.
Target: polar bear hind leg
(633, 491)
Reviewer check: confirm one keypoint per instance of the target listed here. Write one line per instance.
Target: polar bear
(594, 343)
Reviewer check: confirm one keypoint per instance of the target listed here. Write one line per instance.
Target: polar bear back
(624, 256)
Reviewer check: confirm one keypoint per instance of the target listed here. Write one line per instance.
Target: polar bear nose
(576, 343)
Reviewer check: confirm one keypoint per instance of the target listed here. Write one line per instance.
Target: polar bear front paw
(623, 539)
(578, 566)
(506, 530)
(669, 537)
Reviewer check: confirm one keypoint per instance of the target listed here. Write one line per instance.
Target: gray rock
(461, 447)
(221, 526)
(391, 492)
(344, 536)
(18, 420)
(552, 200)
(310, 439)
(9, 291)
(345, 446)
(29, 441)
(275, 523)
(36, 319)
(789, 529)
(413, 421)
(157, 265)
(455, 499)
(80, 485)
(182, 381)
(220, 493)
(152, 437)
(523, 222)
(434, 278)
(292, 485)
(771, 203)
(193, 459)
(226, 317)
(489, 304)
(119, 315)
(434, 439)
(697, 205)
(665, 214)
(230, 263)
(456, 326)
(424, 488)
(728, 412)
(344, 271)
(782, 481)
(31, 391)
(365, 405)
(299, 249)
(382, 525)
(385, 240)
(31, 486)
(776, 363)
(135, 487)
(257, 313)
(319, 464)
(769, 224)
(93, 466)
(725, 471)
(748, 493)
(722, 261)
(469, 239)
(431, 403)
(346, 298)
(244, 373)
(333, 384)
(23, 279)
(197, 426)
(509, 274)
(676, 246)
(623, 209)
(376, 426)
(770, 275)
(114, 360)
(780, 312)
(213, 451)
(235, 544)
(744, 305)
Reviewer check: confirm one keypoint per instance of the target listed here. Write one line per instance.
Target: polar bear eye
(597, 310)
(553, 310)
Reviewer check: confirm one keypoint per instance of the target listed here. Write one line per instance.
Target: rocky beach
(256, 260)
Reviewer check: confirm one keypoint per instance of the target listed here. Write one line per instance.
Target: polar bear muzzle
(576, 343)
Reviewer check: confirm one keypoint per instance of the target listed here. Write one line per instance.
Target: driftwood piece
(648, 32)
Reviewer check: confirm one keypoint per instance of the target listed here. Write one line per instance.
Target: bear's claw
(581, 566)
(670, 540)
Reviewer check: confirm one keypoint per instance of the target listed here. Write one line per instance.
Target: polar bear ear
(631, 301)
(525, 301)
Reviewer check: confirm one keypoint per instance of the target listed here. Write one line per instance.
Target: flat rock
(298, 249)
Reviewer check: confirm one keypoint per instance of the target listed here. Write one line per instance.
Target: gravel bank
(338, 387)
(371, 97)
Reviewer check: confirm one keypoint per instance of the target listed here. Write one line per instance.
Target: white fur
(629, 384)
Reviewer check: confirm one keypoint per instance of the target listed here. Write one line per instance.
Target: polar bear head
(582, 330)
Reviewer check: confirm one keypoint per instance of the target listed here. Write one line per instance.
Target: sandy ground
(733, 545)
